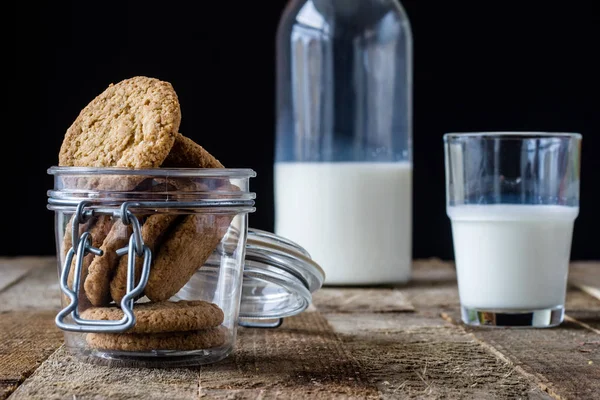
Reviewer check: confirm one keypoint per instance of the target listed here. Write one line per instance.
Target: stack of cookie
(135, 124)
(182, 325)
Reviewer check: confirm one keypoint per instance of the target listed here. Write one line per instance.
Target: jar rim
(507, 135)
(159, 172)
(110, 186)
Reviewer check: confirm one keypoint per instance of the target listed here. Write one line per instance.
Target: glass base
(152, 359)
(77, 346)
(541, 318)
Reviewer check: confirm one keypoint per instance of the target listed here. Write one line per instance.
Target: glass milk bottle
(343, 157)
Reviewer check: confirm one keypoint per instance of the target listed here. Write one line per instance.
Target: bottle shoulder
(344, 8)
(343, 16)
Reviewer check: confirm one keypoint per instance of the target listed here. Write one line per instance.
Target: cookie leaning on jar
(134, 124)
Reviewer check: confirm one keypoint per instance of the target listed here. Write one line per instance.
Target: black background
(478, 65)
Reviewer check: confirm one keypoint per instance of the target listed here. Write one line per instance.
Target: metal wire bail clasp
(82, 245)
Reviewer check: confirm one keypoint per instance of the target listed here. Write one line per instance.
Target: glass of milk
(512, 198)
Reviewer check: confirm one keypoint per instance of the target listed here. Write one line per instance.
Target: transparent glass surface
(344, 137)
(512, 198)
(344, 82)
(189, 262)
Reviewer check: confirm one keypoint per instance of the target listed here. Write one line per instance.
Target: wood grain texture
(27, 338)
(376, 300)
(418, 356)
(352, 343)
(583, 309)
(545, 356)
(12, 269)
(63, 377)
(38, 291)
(302, 359)
(28, 335)
(586, 276)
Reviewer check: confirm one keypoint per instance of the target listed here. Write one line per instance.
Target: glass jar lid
(279, 279)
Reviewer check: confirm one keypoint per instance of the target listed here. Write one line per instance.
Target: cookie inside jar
(144, 182)
(194, 230)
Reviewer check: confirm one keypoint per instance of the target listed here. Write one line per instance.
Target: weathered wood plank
(418, 356)
(578, 300)
(586, 276)
(583, 309)
(6, 389)
(433, 271)
(546, 355)
(440, 293)
(14, 268)
(10, 274)
(361, 300)
(399, 347)
(26, 339)
(429, 273)
(433, 287)
(62, 376)
(28, 306)
(302, 359)
(431, 294)
(586, 319)
(39, 290)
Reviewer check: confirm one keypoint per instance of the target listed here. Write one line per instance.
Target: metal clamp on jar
(159, 265)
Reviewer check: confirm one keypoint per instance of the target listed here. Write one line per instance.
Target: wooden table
(367, 343)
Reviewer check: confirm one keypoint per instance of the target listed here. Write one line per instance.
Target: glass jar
(159, 267)
(343, 156)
